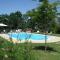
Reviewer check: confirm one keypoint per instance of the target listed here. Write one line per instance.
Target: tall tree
(43, 16)
(47, 14)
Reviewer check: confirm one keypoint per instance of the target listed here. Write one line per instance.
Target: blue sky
(8, 6)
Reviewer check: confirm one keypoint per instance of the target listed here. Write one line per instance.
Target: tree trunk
(45, 41)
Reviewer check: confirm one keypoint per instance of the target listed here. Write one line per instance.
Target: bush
(58, 30)
(10, 51)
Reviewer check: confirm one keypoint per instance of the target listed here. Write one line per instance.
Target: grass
(58, 35)
(52, 54)
(13, 51)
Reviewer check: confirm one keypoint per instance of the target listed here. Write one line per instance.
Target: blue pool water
(26, 36)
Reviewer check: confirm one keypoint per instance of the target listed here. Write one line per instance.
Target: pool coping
(51, 39)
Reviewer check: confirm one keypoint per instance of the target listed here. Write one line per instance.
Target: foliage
(58, 30)
(10, 51)
(42, 16)
(24, 50)
(15, 20)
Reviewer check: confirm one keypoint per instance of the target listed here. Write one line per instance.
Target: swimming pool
(27, 36)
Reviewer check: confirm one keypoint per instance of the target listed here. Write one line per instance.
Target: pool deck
(49, 40)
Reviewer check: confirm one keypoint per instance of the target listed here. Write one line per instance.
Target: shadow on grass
(49, 49)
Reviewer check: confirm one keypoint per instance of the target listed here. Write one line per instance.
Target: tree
(32, 22)
(15, 20)
(47, 14)
(3, 18)
(28, 22)
(43, 16)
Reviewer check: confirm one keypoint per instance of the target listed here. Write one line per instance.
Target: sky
(8, 6)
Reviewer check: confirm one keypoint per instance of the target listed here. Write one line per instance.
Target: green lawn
(52, 54)
(15, 51)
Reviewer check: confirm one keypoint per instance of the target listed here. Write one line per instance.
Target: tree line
(41, 18)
